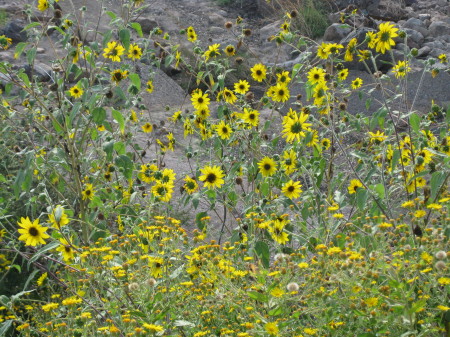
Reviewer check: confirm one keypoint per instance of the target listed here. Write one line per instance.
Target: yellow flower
(134, 52)
(43, 5)
(230, 50)
(199, 100)
(272, 329)
(277, 292)
(401, 69)
(88, 192)
(76, 92)
(118, 75)
(357, 83)
(113, 51)
(259, 72)
(292, 189)
(33, 234)
(294, 126)
(316, 75)
(267, 167)
(371, 302)
(50, 306)
(279, 92)
(213, 51)
(384, 38)
(191, 35)
(57, 217)
(153, 327)
(147, 127)
(5, 42)
(190, 185)
(212, 176)
(66, 249)
(251, 116)
(149, 86)
(354, 185)
(223, 130)
(419, 213)
(241, 87)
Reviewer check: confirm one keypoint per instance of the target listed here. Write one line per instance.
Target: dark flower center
(211, 178)
(33, 231)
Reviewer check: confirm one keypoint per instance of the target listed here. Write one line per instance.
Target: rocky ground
(426, 22)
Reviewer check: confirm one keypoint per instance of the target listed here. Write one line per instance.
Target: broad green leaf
(120, 148)
(19, 49)
(414, 121)
(117, 115)
(437, 179)
(5, 327)
(98, 115)
(124, 37)
(361, 198)
(137, 27)
(263, 252)
(40, 252)
(136, 80)
(261, 297)
(31, 25)
(265, 189)
(31, 54)
(199, 222)
(379, 188)
(125, 164)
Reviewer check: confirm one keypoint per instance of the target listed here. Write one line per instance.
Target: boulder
(417, 25)
(147, 25)
(415, 38)
(336, 32)
(439, 28)
(14, 30)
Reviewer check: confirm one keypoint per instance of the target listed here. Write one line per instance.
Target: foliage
(310, 220)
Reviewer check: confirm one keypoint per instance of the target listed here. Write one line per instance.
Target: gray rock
(266, 32)
(439, 28)
(147, 25)
(436, 52)
(216, 30)
(417, 25)
(336, 32)
(415, 38)
(424, 16)
(14, 30)
(423, 52)
(216, 19)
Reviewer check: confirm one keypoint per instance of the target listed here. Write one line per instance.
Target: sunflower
(323, 51)
(113, 51)
(5, 42)
(350, 50)
(57, 217)
(277, 233)
(354, 185)
(190, 185)
(223, 130)
(88, 192)
(289, 161)
(320, 93)
(212, 176)
(377, 137)
(66, 249)
(133, 116)
(147, 127)
(162, 191)
(166, 176)
(118, 75)
(357, 83)
(191, 35)
(76, 92)
(251, 116)
(292, 189)
(213, 51)
(316, 75)
(401, 69)
(230, 50)
(384, 37)
(134, 52)
(241, 87)
(156, 265)
(199, 100)
(147, 172)
(342, 75)
(43, 5)
(284, 78)
(280, 93)
(227, 95)
(442, 58)
(259, 72)
(326, 143)
(149, 86)
(267, 167)
(33, 234)
(294, 126)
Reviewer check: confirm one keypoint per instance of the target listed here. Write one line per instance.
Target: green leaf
(30, 278)
(199, 222)
(31, 54)
(261, 297)
(265, 189)
(5, 326)
(108, 147)
(137, 27)
(437, 179)
(24, 78)
(112, 15)
(276, 312)
(40, 252)
(124, 37)
(414, 121)
(19, 49)
(379, 188)
(31, 25)
(98, 115)
(119, 118)
(263, 252)
(136, 80)
(124, 162)
(184, 323)
(120, 148)
(361, 198)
